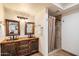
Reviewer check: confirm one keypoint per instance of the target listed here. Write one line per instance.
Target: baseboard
(68, 52)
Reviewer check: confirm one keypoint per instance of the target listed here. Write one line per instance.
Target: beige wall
(1, 12)
(2, 21)
(42, 30)
(12, 15)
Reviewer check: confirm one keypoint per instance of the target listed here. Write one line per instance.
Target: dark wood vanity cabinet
(8, 49)
(20, 47)
(34, 46)
(23, 48)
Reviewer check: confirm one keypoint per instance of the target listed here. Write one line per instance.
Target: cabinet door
(34, 45)
(23, 48)
(23, 52)
(8, 49)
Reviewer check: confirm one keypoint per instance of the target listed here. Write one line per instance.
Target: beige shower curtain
(51, 33)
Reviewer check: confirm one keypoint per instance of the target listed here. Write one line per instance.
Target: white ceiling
(62, 8)
(65, 6)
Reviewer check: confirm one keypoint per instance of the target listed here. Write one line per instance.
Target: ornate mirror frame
(29, 28)
(12, 27)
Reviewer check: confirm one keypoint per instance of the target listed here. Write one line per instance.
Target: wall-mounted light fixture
(20, 17)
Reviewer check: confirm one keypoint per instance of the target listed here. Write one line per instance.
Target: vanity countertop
(18, 39)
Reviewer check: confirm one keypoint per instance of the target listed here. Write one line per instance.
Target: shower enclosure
(51, 33)
(54, 33)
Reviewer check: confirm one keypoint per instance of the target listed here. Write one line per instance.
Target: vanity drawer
(23, 42)
(22, 47)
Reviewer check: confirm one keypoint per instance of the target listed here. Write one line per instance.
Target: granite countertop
(18, 39)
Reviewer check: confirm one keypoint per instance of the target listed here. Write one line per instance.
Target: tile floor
(59, 52)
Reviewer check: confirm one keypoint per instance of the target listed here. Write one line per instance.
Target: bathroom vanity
(19, 47)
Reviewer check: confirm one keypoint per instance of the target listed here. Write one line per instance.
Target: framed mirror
(12, 27)
(29, 28)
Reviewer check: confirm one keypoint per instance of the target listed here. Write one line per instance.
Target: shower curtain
(51, 33)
